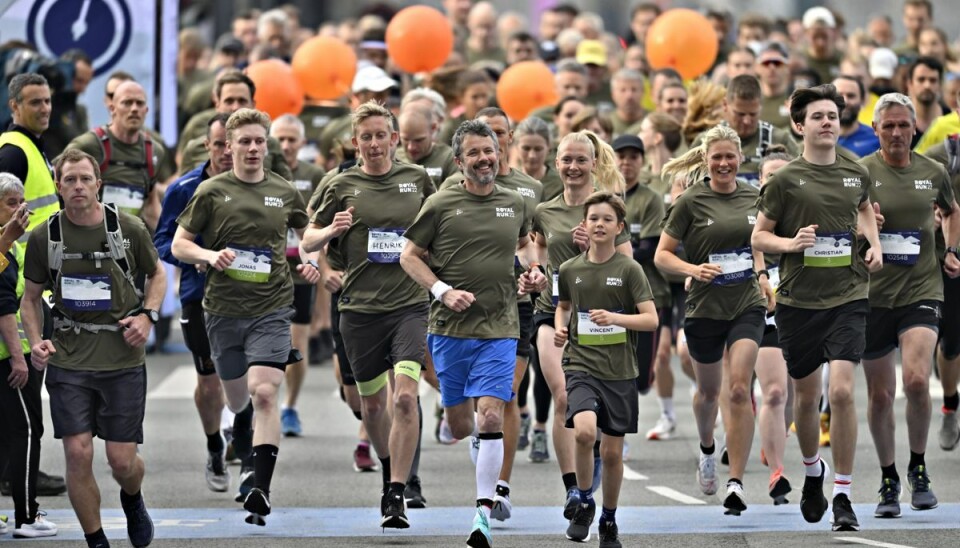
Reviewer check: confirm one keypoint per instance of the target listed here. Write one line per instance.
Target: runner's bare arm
(764, 240)
(185, 249)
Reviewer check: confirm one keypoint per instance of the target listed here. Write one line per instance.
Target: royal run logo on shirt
(923, 184)
(615, 281)
(407, 187)
(852, 182)
(272, 201)
(505, 212)
(527, 192)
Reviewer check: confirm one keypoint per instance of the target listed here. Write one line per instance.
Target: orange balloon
(325, 67)
(419, 39)
(524, 87)
(684, 40)
(278, 91)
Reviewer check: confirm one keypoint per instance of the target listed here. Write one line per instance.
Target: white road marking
(674, 494)
(630, 474)
(868, 542)
(177, 385)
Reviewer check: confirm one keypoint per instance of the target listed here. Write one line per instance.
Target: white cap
(819, 14)
(883, 63)
(372, 78)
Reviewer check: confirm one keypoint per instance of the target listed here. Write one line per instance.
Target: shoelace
(921, 481)
(888, 491)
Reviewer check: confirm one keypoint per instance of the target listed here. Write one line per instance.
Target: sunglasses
(772, 63)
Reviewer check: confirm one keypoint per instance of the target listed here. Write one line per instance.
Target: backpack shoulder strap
(111, 224)
(148, 153)
(54, 246)
(105, 148)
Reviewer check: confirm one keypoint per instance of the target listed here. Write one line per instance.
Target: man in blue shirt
(854, 136)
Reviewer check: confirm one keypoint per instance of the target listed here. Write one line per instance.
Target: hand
(309, 273)
(136, 329)
(17, 225)
(805, 238)
(580, 237)
(342, 221)
(532, 281)
(876, 213)
(333, 280)
(687, 284)
(707, 272)
(458, 300)
(560, 337)
(19, 374)
(221, 259)
(767, 291)
(951, 265)
(603, 318)
(874, 259)
(40, 353)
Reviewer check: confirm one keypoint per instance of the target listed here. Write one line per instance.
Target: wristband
(314, 264)
(438, 289)
(763, 273)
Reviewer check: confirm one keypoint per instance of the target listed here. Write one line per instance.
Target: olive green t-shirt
(439, 163)
(315, 119)
(472, 241)
(911, 271)
(126, 181)
(644, 212)
(89, 294)
(555, 221)
(306, 178)
(800, 194)
(938, 153)
(252, 219)
(195, 154)
(752, 153)
(623, 127)
(196, 127)
(604, 352)
(774, 110)
(336, 130)
(716, 228)
(333, 256)
(828, 68)
(384, 206)
(552, 184)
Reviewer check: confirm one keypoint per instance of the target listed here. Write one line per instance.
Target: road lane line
(632, 475)
(868, 542)
(177, 385)
(674, 494)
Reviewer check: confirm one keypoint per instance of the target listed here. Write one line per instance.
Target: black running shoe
(779, 491)
(139, 524)
(413, 494)
(843, 517)
(394, 515)
(889, 494)
(247, 481)
(258, 504)
(812, 502)
(579, 528)
(609, 535)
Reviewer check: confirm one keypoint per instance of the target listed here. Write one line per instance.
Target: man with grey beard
(472, 231)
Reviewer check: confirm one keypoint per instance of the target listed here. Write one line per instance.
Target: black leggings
(22, 413)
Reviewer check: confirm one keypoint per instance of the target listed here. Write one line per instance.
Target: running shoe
(394, 515)
(474, 449)
(889, 495)
(825, 429)
(139, 524)
(812, 502)
(3, 524)
(609, 535)
(707, 474)
(413, 494)
(258, 504)
(779, 487)
(502, 508)
(724, 454)
(480, 535)
(663, 430)
(47, 485)
(444, 433)
(39, 528)
(843, 517)
(526, 422)
(949, 430)
(736, 502)
(247, 480)
(539, 449)
(217, 474)
(290, 423)
(579, 528)
(921, 495)
(570, 505)
(362, 461)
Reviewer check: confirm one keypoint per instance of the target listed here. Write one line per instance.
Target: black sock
(735, 480)
(214, 442)
(385, 469)
(596, 449)
(569, 480)
(890, 472)
(128, 502)
(916, 459)
(396, 488)
(264, 461)
(96, 539)
(243, 432)
(952, 402)
(708, 450)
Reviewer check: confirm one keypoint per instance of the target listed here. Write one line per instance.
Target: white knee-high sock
(489, 462)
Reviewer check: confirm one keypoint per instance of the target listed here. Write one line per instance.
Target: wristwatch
(763, 273)
(152, 315)
(954, 250)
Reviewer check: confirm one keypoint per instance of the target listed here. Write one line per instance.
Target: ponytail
(606, 176)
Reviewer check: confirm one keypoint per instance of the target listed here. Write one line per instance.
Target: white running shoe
(663, 430)
(502, 508)
(39, 528)
(445, 434)
(736, 502)
(3, 524)
(707, 474)
(949, 431)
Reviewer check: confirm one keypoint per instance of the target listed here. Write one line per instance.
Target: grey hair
(571, 65)
(276, 17)
(290, 119)
(20, 81)
(533, 125)
(627, 74)
(569, 37)
(472, 127)
(894, 99)
(593, 19)
(10, 183)
(439, 110)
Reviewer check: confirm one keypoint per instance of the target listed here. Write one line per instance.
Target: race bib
(773, 276)
(384, 245)
(736, 264)
(85, 293)
(251, 265)
(556, 289)
(900, 247)
(126, 197)
(591, 334)
(303, 185)
(435, 172)
(636, 228)
(829, 251)
(293, 244)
